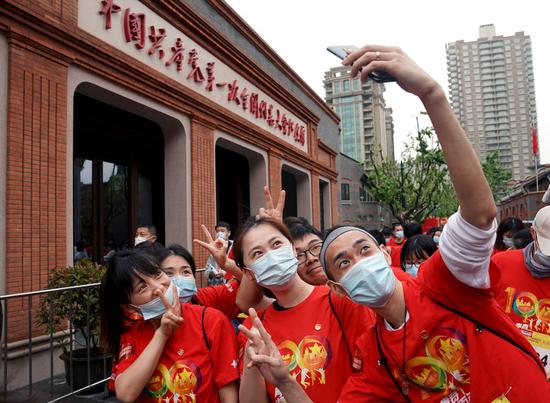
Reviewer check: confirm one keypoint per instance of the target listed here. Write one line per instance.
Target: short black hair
(175, 250)
(411, 229)
(291, 220)
(149, 247)
(152, 229)
(522, 238)
(417, 246)
(387, 231)
(509, 224)
(223, 224)
(395, 224)
(378, 235)
(300, 228)
(433, 230)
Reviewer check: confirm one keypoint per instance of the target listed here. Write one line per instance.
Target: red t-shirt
(393, 241)
(311, 343)
(497, 251)
(400, 274)
(526, 300)
(222, 297)
(187, 367)
(395, 252)
(447, 359)
(230, 255)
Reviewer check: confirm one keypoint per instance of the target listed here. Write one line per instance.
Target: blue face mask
(187, 287)
(545, 260)
(436, 239)
(277, 267)
(412, 269)
(155, 307)
(370, 281)
(507, 242)
(220, 235)
(399, 234)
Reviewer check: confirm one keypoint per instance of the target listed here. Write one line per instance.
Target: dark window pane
(115, 205)
(345, 192)
(82, 208)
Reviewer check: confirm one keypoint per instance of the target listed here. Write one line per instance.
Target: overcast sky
(300, 31)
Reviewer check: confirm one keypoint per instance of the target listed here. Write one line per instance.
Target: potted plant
(77, 310)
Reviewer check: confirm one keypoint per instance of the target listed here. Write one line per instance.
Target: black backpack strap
(339, 324)
(204, 330)
(384, 362)
(480, 327)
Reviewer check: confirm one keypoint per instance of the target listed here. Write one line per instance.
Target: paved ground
(43, 392)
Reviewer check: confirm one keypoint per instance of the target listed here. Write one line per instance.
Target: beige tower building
(366, 124)
(492, 92)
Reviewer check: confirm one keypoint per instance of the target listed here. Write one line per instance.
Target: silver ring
(377, 55)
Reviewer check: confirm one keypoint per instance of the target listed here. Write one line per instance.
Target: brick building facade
(122, 112)
(525, 199)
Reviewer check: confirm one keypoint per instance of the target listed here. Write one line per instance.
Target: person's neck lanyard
(403, 375)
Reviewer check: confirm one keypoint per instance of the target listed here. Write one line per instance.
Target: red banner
(535, 140)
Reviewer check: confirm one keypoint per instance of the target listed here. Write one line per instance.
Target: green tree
(496, 175)
(419, 185)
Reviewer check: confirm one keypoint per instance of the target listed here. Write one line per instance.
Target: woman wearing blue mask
(440, 336)
(435, 233)
(505, 233)
(178, 263)
(306, 322)
(416, 250)
(163, 350)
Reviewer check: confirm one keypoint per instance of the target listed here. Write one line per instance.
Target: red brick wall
(203, 185)
(334, 196)
(315, 201)
(60, 11)
(36, 175)
(275, 183)
(37, 138)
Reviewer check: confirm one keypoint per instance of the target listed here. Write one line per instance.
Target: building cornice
(73, 46)
(227, 12)
(183, 18)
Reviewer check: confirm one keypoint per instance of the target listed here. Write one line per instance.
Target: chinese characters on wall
(173, 52)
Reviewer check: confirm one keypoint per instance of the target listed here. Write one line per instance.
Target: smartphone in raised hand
(342, 51)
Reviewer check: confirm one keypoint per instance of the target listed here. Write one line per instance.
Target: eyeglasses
(314, 251)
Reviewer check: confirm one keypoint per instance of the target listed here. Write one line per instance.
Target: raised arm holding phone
(440, 336)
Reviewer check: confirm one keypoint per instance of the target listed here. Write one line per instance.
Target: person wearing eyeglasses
(308, 243)
(314, 330)
(439, 337)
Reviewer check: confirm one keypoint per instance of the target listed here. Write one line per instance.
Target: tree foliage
(419, 186)
(416, 187)
(496, 175)
(80, 307)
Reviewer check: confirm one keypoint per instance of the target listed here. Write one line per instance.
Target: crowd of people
(459, 314)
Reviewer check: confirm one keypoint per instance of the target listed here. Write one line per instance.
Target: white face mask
(221, 235)
(370, 281)
(277, 267)
(412, 268)
(139, 239)
(507, 242)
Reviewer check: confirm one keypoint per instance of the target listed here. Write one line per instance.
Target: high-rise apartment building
(493, 94)
(366, 132)
(366, 124)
